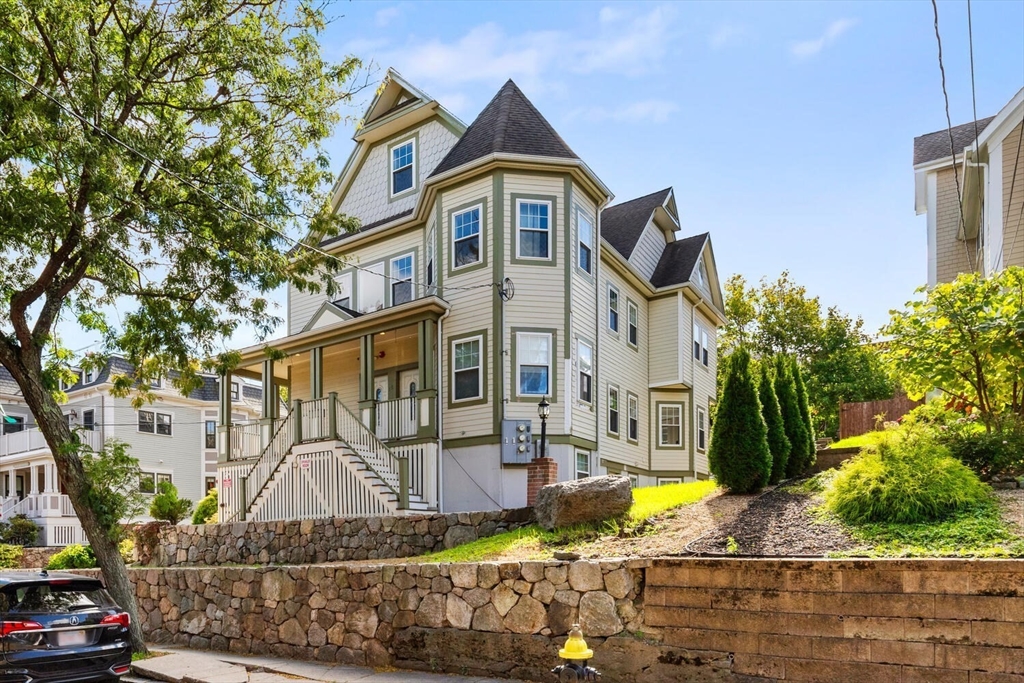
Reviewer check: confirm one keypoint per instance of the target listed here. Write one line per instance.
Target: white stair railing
(367, 446)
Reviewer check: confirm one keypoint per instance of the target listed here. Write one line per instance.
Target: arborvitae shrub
(796, 429)
(810, 455)
(739, 456)
(206, 510)
(778, 443)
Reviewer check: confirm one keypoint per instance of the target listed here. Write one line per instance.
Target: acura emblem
(74, 621)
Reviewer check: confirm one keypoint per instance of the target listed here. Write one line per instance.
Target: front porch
(31, 488)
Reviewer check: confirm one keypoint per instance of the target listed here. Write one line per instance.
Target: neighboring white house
(174, 439)
(417, 386)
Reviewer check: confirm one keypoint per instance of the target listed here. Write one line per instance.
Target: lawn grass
(533, 542)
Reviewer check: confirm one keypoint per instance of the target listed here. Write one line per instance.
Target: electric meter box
(516, 442)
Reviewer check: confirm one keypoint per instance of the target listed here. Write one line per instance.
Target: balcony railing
(29, 440)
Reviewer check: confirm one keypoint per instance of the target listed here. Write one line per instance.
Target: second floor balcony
(29, 441)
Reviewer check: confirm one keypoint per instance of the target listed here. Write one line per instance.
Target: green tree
(167, 506)
(206, 509)
(739, 456)
(964, 338)
(778, 442)
(810, 454)
(789, 406)
(152, 157)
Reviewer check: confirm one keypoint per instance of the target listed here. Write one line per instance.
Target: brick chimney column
(539, 473)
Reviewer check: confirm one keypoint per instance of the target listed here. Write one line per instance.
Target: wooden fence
(860, 418)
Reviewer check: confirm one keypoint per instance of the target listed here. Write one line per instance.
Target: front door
(380, 395)
(407, 423)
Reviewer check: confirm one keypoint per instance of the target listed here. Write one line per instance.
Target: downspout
(440, 412)
(595, 382)
(983, 224)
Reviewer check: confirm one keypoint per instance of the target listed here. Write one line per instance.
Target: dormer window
(701, 274)
(402, 163)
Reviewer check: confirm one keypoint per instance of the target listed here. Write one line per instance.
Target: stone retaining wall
(328, 540)
(36, 558)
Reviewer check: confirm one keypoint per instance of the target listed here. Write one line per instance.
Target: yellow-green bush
(10, 556)
(73, 557)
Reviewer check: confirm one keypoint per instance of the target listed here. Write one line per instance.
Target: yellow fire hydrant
(576, 653)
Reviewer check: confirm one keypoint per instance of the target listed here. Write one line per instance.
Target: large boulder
(583, 501)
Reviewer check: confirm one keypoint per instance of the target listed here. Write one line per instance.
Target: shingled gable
(509, 124)
(933, 146)
(623, 223)
(677, 261)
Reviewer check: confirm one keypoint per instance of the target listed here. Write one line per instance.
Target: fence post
(332, 415)
(403, 483)
(297, 422)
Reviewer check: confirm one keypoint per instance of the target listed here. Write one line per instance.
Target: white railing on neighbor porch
(397, 418)
(30, 439)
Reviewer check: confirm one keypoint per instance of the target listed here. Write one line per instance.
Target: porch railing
(398, 418)
(371, 449)
(30, 439)
(422, 460)
(7, 506)
(40, 504)
(245, 439)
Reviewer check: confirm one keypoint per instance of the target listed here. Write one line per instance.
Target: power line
(241, 212)
(1009, 203)
(949, 130)
(974, 110)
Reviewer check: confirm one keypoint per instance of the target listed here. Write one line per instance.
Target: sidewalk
(192, 666)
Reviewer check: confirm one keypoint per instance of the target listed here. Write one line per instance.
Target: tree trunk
(64, 446)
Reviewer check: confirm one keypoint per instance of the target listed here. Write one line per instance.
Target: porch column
(224, 418)
(4, 486)
(48, 478)
(269, 412)
(367, 404)
(316, 372)
(427, 384)
(33, 475)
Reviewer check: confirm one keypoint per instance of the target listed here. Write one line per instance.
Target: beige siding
(669, 335)
(952, 253)
(670, 459)
(1013, 222)
(584, 319)
(648, 250)
(704, 389)
(472, 310)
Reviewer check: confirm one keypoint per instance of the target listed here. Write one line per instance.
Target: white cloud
(727, 36)
(808, 48)
(385, 16)
(645, 111)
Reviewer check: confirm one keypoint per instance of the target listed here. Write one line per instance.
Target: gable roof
(677, 261)
(509, 124)
(8, 387)
(623, 223)
(933, 146)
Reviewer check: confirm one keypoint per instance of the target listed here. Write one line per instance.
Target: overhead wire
(974, 111)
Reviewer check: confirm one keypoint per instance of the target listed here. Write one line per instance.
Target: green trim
(629, 395)
(498, 259)
(592, 403)
(553, 220)
(572, 440)
(392, 374)
(607, 411)
(657, 426)
(607, 307)
(589, 277)
(484, 233)
(468, 441)
(438, 252)
(316, 372)
(388, 294)
(452, 124)
(393, 116)
(396, 142)
(567, 203)
(552, 368)
(636, 307)
(452, 341)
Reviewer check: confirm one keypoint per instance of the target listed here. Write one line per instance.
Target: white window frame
(702, 437)
(344, 281)
(206, 433)
(479, 208)
(582, 217)
(700, 345)
(157, 414)
(661, 425)
(520, 229)
(430, 255)
(236, 391)
(589, 372)
(617, 410)
(90, 376)
(632, 324)
(576, 465)
(157, 477)
(612, 289)
(634, 480)
(632, 417)
(665, 481)
(519, 365)
(479, 339)
(391, 167)
(392, 278)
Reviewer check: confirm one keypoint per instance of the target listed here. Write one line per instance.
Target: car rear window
(52, 598)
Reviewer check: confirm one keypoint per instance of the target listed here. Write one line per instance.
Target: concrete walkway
(192, 666)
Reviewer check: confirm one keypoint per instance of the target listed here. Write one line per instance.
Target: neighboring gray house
(173, 438)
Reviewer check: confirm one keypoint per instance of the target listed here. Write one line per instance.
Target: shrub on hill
(73, 557)
(206, 509)
(789, 406)
(810, 452)
(739, 456)
(778, 442)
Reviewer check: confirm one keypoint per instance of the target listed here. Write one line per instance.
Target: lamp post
(544, 410)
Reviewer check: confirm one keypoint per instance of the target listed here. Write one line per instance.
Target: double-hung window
(236, 391)
(430, 263)
(534, 229)
(586, 365)
(582, 464)
(89, 420)
(586, 244)
(613, 410)
(467, 372)
(633, 415)
(401, 279)
(210, 436)
(700, 344)
(152, 422)
(533, 360)
(633, 324)
(466, 237)
(402, 158)
(702, 437)
(613, 308)
(670, 425)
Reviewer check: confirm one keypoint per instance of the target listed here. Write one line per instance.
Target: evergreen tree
(810, 455)
(739, 456)
(778, 443)
(796, 428)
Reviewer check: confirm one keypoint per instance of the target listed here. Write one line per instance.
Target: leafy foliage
(10, 556)
(166, 505)
(206, 509)
(147, 538)
(977, 532)
(792, 421)
(114, 487)
(778, 442)
(907, 478)
(808, 454)
(19, 530)
(739, 456)
(127, 550)
(963, 338)
(73, 557)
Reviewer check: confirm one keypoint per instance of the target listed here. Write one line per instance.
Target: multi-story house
(174, 439)
(974, 227)
(490, 276)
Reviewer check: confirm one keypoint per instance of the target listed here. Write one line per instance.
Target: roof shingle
(677, 261)
(623, 223)
(932, 146)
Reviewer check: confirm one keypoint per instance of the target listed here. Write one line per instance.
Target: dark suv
(60, 628)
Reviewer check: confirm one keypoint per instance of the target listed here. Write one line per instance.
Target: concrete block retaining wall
(899, 621)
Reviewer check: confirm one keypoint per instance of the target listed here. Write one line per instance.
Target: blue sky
(786, 129)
